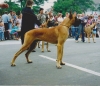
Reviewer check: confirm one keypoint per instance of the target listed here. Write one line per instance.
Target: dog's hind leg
(27, 42)
(33, 45)
(23, 48)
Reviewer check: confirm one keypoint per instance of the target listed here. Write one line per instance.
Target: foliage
(79, 6)
(12, 6)
(36, 9)
(20, 4)
(98, 7)
(37, 2)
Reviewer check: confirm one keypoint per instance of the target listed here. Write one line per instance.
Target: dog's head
(68, 21)
(73, 18)
(93, 24)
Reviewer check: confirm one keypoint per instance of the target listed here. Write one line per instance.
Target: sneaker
(77, 41)
(33, 51)
(84, 41)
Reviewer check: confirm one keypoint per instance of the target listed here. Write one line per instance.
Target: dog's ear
(74, 15)
(70, 15)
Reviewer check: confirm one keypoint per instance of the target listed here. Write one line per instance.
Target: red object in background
(4, 5)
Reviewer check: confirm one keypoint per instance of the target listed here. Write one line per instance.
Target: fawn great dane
(88, 30)
(56, 35)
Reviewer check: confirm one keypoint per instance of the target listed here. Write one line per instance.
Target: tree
(12, 6)
(98, 7)
(37, 2)
(18, 7)
(74, 5)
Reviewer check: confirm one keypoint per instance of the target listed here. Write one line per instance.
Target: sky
(48, 4)
(45, 6)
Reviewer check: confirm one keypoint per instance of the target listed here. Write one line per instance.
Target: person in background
(66, 15)
(19, 20)
(60, 18)
(0, 18)
(1, 31)
(14, 17)
(5, 19)
(98, 25)
(73, 31)
(42, 18)
(77, 26)
(10, 21)
(89, 21)
(14, 31)
(29, 19)
(82, 25)
(94, 30)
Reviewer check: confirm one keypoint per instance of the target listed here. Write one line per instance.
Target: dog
(47, 44)
(56, 35)
(43, 43)
(88, 30)
(49, 24)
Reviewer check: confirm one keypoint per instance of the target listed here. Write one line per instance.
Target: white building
(95, 13)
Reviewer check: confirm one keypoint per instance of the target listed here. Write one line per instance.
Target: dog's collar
(64, 25)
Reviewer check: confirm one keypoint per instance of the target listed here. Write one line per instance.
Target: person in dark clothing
(29, 19)
(77, 28)
(83, 23)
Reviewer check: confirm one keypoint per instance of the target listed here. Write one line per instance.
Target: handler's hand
(43, 25)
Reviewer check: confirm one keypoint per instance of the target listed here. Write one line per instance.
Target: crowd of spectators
(10, 24)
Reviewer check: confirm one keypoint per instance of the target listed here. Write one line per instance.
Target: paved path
(82, 65)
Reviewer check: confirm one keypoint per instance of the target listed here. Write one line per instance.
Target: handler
(29, 19)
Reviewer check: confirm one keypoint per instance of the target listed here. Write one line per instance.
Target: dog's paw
(30, 61)
(13, 65)
(62, 63)
(58, 67)
(48, 51)
(42, 51)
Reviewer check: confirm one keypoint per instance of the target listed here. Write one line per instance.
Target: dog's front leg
(62, 63)
(42, 46)
(93, 35)
(59, 55)
(38, 44)
(88, 35)
(47, 46)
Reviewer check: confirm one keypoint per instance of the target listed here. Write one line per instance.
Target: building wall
(95, 13)
(96, 1)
